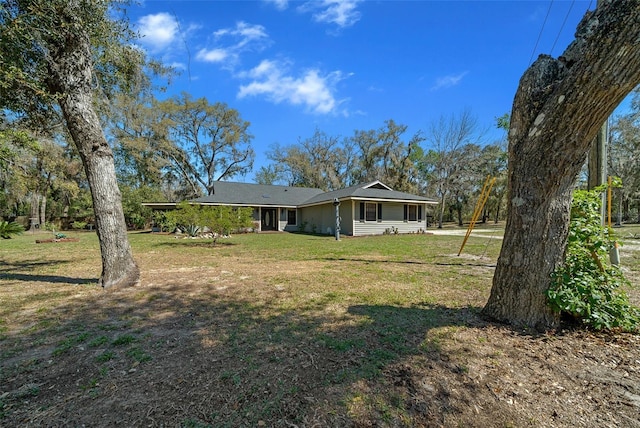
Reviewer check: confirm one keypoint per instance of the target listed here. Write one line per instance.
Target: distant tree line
(177, 149)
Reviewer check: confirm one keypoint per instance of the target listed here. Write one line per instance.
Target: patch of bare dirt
(492, 376)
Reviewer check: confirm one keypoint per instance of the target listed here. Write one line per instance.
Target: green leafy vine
(586, 286)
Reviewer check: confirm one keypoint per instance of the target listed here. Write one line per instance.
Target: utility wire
(540, 34)
(562, 26)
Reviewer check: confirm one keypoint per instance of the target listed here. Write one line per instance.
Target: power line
(562, 27)
(540, 34)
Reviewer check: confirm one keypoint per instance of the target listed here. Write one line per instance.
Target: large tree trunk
(558, 109)
(71, 78)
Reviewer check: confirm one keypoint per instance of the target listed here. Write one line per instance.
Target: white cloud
(244, 35)
(279, 4)
(233, 41)
(343, 13)
(448, 81)
(312, 89)
(212, 55)
(158, 31)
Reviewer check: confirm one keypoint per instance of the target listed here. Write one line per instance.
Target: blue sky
(291, 67)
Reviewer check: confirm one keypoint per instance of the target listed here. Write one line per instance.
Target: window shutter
(379, 212)
(419, 212)
(406, 212)
(361, 211)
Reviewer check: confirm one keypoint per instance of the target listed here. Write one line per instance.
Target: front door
(269, 219)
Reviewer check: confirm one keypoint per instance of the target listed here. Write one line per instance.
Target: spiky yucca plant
(10, 228)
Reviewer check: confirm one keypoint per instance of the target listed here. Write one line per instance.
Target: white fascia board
(402, 201)
(210, 204)
(360, 198)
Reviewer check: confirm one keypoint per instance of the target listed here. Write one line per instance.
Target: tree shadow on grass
(195, 243)
(404, 262)
(47, 278)
(373, 260)
(30, 264)
(15, 271)
(169, 355)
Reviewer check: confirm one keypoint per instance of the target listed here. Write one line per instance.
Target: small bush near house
(163, 220)
(220, 220)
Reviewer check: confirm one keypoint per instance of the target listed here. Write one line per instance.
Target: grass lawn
(291, 330)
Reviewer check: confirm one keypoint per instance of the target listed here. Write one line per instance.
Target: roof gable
(376, 185)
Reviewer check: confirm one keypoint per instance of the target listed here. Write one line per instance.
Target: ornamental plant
(7, 229)
(586, 286)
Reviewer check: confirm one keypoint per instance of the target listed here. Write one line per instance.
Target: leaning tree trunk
(71, 78)
(558, 109)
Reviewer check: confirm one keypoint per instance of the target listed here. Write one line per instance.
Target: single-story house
(366, 209)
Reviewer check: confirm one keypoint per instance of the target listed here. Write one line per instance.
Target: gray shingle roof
(250, 194)
(373, 191)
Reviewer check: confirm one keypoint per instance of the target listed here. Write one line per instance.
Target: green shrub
(137, 215)
(586, 286)
(165, 222)
(7, 229)
(51, 227)
(220, 220)
(79, 225)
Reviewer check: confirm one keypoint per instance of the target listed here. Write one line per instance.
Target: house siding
(346, 218)
(392, 217)
(318, 219)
